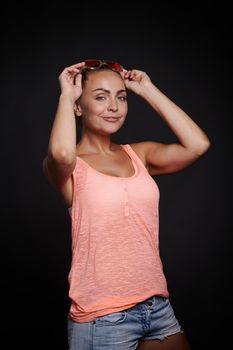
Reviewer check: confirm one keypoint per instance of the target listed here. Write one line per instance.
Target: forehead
(104, 79)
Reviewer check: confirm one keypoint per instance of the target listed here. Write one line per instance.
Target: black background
(186, 50)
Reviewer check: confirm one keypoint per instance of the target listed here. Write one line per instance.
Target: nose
(113, 106)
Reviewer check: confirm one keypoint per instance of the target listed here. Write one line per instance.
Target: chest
(117, 167)
(101, 193)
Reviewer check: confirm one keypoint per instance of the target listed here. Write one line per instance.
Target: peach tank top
(115, 244)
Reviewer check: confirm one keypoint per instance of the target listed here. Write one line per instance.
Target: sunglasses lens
(95, 64)
(92, 63)
(115, 66)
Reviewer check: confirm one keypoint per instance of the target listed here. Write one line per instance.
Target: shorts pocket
(111, 319)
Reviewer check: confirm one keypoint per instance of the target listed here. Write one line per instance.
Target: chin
(107, 132)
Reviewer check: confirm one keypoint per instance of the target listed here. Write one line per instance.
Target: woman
(118, 291)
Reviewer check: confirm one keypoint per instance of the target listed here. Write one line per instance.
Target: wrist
(148, 88)
(66, 98)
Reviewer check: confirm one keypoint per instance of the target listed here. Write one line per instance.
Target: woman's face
(103, 103)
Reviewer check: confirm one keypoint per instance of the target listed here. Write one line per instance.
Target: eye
(122, 98)
(100, 98)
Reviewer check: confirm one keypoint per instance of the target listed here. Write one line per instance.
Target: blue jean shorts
(151, 319)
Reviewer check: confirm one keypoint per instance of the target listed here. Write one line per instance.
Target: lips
(111, 119)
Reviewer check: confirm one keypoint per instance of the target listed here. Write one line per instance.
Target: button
(126, 210)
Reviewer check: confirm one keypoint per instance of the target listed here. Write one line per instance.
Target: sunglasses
(96, 64)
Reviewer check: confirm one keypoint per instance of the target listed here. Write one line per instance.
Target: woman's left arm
(193, 142)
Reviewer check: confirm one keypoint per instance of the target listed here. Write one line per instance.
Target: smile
(111, 119)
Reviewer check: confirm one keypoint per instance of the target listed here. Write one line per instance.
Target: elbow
(63, 156)
(203, 147)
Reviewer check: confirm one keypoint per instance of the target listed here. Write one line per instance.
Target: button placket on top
(126, 197)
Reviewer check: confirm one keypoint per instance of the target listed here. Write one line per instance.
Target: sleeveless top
(115, 244)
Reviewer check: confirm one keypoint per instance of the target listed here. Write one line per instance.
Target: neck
(92, 143)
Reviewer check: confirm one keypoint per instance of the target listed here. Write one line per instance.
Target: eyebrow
(108, 91)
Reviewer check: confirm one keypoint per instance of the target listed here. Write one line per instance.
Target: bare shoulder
(143, 148)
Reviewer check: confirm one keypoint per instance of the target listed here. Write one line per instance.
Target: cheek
(94, 109)
(123, 109)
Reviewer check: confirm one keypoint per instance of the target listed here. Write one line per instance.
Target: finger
(71, 72)
(74, 67)
(127, 74)
(123, 73)
(77, 65)
(130, 75)
(78, 79)
(135, 74)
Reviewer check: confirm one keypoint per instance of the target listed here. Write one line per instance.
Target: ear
(77, 109)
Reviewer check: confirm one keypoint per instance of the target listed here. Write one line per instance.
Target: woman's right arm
(60, 160)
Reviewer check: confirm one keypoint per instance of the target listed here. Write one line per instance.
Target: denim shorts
(151, 319)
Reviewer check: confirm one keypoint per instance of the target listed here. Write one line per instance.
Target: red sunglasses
(95, 64)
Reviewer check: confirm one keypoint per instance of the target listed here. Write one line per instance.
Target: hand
(135, 80)
(70, 81)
